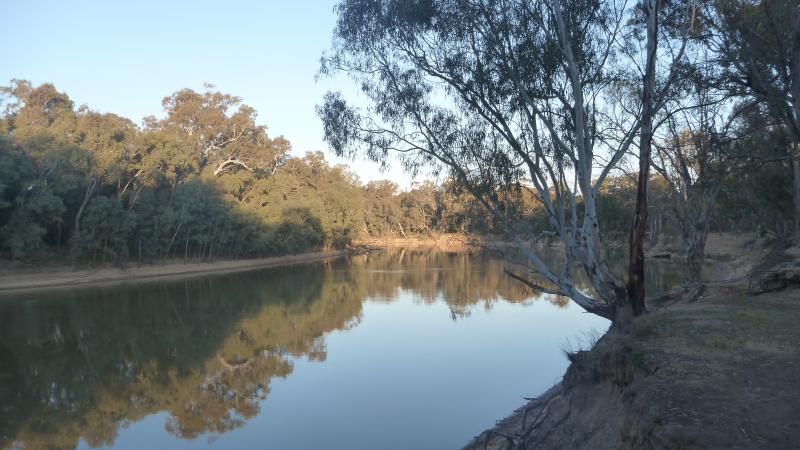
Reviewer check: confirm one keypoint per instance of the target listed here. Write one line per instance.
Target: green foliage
(298, 231)
(24, 233)
(96, 188)
(105, 231)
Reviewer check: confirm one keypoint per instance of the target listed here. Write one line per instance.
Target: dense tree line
(203, 182)
(206, 182)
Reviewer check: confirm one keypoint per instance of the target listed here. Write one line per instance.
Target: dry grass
(733, 361)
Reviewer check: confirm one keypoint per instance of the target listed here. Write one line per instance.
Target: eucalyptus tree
(758, 44)
(503, 95)
(47, 166)
(662, 31)
(382, 208)
(693, 140)
(108, 140)
(707, 139)
(759, 197)
(694, 156)
(310, 184)
(28, 107)
(220, 132)
(421, 206)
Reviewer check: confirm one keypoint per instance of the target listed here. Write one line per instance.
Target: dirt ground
(719, 371)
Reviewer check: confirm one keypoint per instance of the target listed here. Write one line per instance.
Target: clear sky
(125, 56)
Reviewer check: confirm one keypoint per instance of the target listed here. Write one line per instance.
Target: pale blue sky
(124, 57)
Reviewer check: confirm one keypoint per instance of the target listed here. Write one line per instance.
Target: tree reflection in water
(83, 363)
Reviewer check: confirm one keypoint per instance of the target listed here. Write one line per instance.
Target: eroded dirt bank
(718, 370)
(60, 277)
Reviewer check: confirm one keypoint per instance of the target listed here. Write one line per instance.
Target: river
(393, 350)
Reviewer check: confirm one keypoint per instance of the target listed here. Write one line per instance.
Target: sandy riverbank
(447, 242)
(17, 280)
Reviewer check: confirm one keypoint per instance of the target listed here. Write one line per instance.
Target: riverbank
(717, 368)
(16, 280)
(719, 246)
(446, 241)
(59, 276)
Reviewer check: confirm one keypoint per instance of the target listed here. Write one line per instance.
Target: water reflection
(461, 280)
(87, 363)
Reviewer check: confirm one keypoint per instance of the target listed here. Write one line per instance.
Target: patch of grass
(639, 358)
(719, 344)
(722, 257)
(654, 325)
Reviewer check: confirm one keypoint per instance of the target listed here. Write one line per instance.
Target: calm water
(393, 350)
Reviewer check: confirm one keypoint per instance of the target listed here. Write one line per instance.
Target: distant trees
(201, 183)
(95, 188)
(383, 212)
(204, 182)
(694, 152)
(422, 207)
(43, 164)
(106, 140)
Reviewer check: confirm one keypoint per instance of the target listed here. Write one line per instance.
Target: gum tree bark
(635, 284)
(795, 71)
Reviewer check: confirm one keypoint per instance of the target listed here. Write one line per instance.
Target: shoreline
(17, 281)
(668, 385)
(710, 366)
(446, 242)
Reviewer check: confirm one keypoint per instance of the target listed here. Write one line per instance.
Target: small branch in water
(533, 285)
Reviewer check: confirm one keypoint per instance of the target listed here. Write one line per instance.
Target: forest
(617, 183)
(206, 182)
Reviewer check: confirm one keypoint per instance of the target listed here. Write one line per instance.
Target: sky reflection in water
(390, 350)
